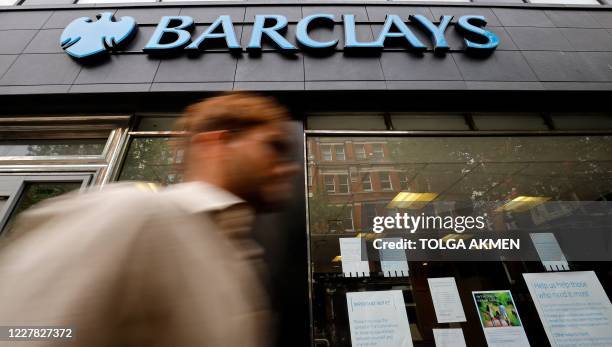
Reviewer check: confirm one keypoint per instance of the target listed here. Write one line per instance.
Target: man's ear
(208, 136)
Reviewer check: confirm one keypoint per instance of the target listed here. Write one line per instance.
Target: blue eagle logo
(84, 38)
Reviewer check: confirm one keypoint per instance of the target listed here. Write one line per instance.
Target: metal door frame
(20, 180)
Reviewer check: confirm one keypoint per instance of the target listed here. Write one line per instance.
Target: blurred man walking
(132, 266)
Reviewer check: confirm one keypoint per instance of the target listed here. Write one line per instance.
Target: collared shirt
(230, 213)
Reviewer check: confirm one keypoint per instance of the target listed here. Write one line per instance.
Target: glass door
(21, 191)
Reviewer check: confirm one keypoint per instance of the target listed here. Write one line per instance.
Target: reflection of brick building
(354, 179)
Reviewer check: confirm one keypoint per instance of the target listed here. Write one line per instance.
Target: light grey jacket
(134, 267)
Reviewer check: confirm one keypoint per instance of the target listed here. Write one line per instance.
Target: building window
(385, 181)
(340, 155)
(366, 182)
(360, 152)
(309, 176)
(326, 152)
(404, 182)
(342, 221)
(343, 184)
(377, 151)
(330, 185)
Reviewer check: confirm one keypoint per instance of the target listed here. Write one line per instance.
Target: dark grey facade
(551, 58)
(542, 48)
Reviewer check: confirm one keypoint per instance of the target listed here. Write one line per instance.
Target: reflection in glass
(35, 192)
(442, 176)
(152, 159)
(63, 147)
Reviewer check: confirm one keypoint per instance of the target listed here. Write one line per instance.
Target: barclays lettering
(85, 38)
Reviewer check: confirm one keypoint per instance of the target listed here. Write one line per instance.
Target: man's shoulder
(115, 193)
(111, 203)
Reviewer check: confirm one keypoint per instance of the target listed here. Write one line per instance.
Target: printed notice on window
(352, 251)
(549, 251)
(449, 338)
(445, 297)
(500, 319)
(378, 319)
(573, 307)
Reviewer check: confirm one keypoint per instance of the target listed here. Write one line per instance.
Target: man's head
(240, 142)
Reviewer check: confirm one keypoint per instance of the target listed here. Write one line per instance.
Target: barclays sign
(85, 38)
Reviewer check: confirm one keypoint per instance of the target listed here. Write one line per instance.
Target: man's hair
(235, 111)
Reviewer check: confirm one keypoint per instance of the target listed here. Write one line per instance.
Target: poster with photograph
(573, 307)
(500, 319)
(378, 319)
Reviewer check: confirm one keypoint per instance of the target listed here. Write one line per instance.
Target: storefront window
(62, 147)
(35, 192)
(443, 176)
(152, 159)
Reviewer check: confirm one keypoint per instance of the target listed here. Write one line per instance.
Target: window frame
(22, 179)
(361, 146)
(324, 152)
(133, 133)
(340, 184)
(381, 174)
(70, 127)
(369, 181)
(374, 151)
(326, 184)
(342, 152)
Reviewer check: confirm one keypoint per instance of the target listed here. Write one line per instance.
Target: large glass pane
(509, 121)
(582, 121)
(445, 176)
(152, 159)
(35, 192)
(59, 147)
(429, 121)
(156, 124)
(346, 121)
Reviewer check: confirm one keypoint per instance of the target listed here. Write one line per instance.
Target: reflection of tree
(501, 168)
(35, 192)
(322, 211)
(39, 191)
(151, 159)
(66, 147)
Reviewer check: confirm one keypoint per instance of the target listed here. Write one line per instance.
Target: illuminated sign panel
(85, 38)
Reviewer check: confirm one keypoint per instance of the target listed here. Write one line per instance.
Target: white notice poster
(549, 251)
(446, 301)
(449, 338)
(393, 261)
(500, 319)
(378, 319)
(573, 307)
(352, 249)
